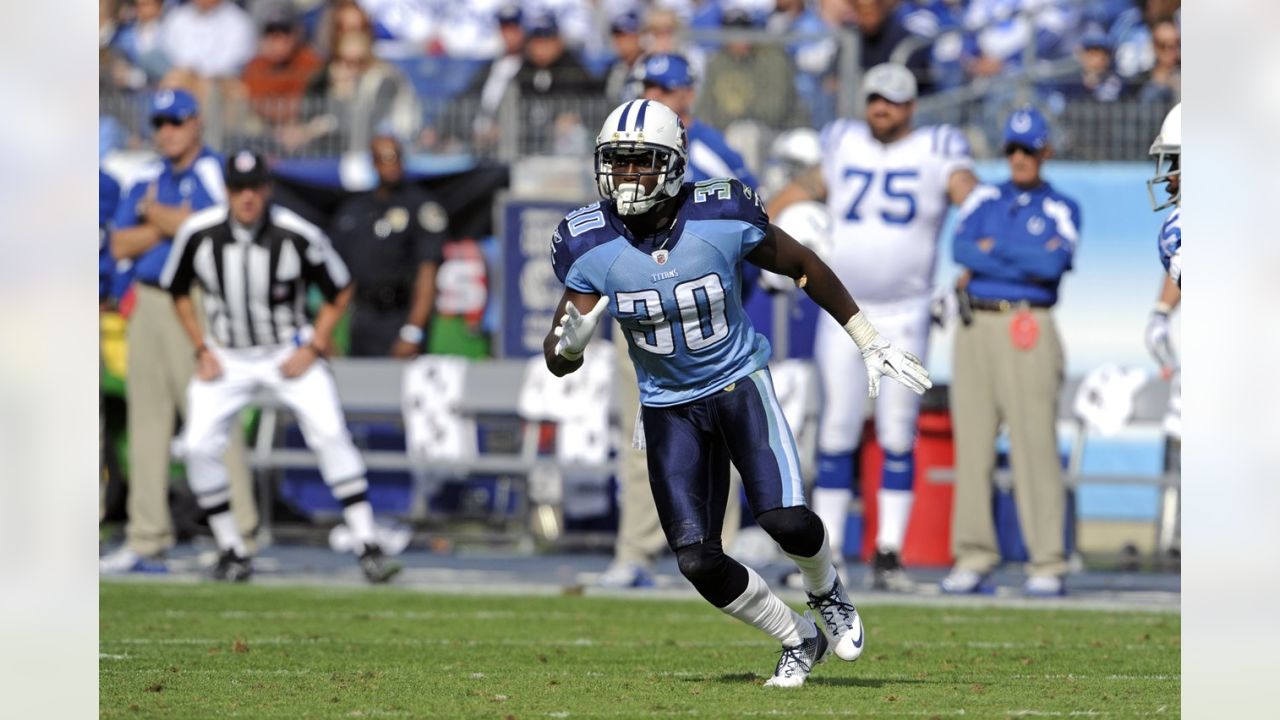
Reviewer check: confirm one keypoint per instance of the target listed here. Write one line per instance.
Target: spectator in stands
(1000, 31)
(624, 29)
(360, 96)
(491, 83)
(813, 59)
(340, 17)
(392, 240)
(188, 178)
(882, 31)
(140, 59)
(1163, 82)
(547, 73)
(209, 38)
(1098, 80)
(1131, 35)
(1015, 241)
(749, 81)
(276, 78)
(661, 34)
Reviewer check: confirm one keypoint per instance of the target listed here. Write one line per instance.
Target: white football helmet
(1167, 150)
(640, 138)
(792, 153)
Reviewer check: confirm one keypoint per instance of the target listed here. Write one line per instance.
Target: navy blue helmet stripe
(640, 115)
(622, 121)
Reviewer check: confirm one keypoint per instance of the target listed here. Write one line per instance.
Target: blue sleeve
(969, 230)
(730, 200)
(565, 251)
(126, 215)
(1050, 259)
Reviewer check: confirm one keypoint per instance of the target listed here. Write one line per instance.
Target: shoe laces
(833, 607)
(795, 659)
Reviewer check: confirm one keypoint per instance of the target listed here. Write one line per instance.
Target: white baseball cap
(890, 81)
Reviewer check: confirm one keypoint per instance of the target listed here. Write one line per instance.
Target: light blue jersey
(679, 301)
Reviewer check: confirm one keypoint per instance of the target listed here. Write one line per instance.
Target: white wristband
(861, 330)
(412, 334)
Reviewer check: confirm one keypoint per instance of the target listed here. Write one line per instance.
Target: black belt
(1004, 305)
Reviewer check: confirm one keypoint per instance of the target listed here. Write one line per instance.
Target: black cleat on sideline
(887, 573)
(231, 568)
(376, 567)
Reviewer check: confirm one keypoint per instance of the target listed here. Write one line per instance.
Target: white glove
(1159, 341)
(575, 329)
(882, 358)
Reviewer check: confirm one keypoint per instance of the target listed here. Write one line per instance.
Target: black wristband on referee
(201, 350)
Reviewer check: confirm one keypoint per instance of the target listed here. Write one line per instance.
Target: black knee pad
(796, 530)
(716, 576)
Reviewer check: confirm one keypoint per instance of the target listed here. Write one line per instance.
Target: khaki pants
(161, 363)
(995, 382)
(640, 537)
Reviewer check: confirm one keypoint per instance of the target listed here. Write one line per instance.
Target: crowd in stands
(330, 73)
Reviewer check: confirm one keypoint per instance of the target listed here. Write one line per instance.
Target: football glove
(883, 359)
(575, 329)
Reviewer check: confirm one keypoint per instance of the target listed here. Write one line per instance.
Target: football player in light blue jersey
(663, 257)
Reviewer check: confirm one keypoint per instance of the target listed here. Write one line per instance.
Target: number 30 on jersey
(702, 316)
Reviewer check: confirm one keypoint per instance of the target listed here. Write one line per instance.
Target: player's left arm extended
(575, 321)
(784, 255)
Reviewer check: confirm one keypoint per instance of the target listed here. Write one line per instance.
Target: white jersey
(1170, 243)
(888, 203)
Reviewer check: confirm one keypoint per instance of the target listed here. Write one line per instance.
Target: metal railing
(566, 125)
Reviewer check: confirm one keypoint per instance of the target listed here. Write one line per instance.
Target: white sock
(832, 505)
(818, 572)
(359, 518)
(758, 607)
(894, 512)
(226, 533)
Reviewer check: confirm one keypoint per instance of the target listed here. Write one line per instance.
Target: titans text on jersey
(677, 299)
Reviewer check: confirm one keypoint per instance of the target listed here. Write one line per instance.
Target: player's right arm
(576, 317)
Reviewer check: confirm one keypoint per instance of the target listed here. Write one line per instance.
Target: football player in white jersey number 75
(887, 186)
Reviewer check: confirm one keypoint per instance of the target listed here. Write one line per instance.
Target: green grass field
(178, 651)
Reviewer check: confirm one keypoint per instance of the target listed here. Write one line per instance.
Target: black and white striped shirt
(254, 279)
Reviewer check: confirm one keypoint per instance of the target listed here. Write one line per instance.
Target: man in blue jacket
(1016, 240)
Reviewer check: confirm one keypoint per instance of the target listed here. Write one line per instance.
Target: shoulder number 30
(702, 317)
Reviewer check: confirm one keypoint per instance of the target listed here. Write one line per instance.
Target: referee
(254, 261)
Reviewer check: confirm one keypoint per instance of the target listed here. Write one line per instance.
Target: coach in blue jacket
(1016, 240)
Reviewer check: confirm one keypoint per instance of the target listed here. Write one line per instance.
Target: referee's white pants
(844, 379)
(312, 397)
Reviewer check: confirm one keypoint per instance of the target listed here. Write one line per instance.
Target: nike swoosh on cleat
(861, 636)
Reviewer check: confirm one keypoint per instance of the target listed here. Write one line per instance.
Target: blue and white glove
(575, 329)
(883, 359)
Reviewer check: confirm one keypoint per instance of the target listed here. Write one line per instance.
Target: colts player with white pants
(255, 262)
(887, 186)
(1167, 152)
